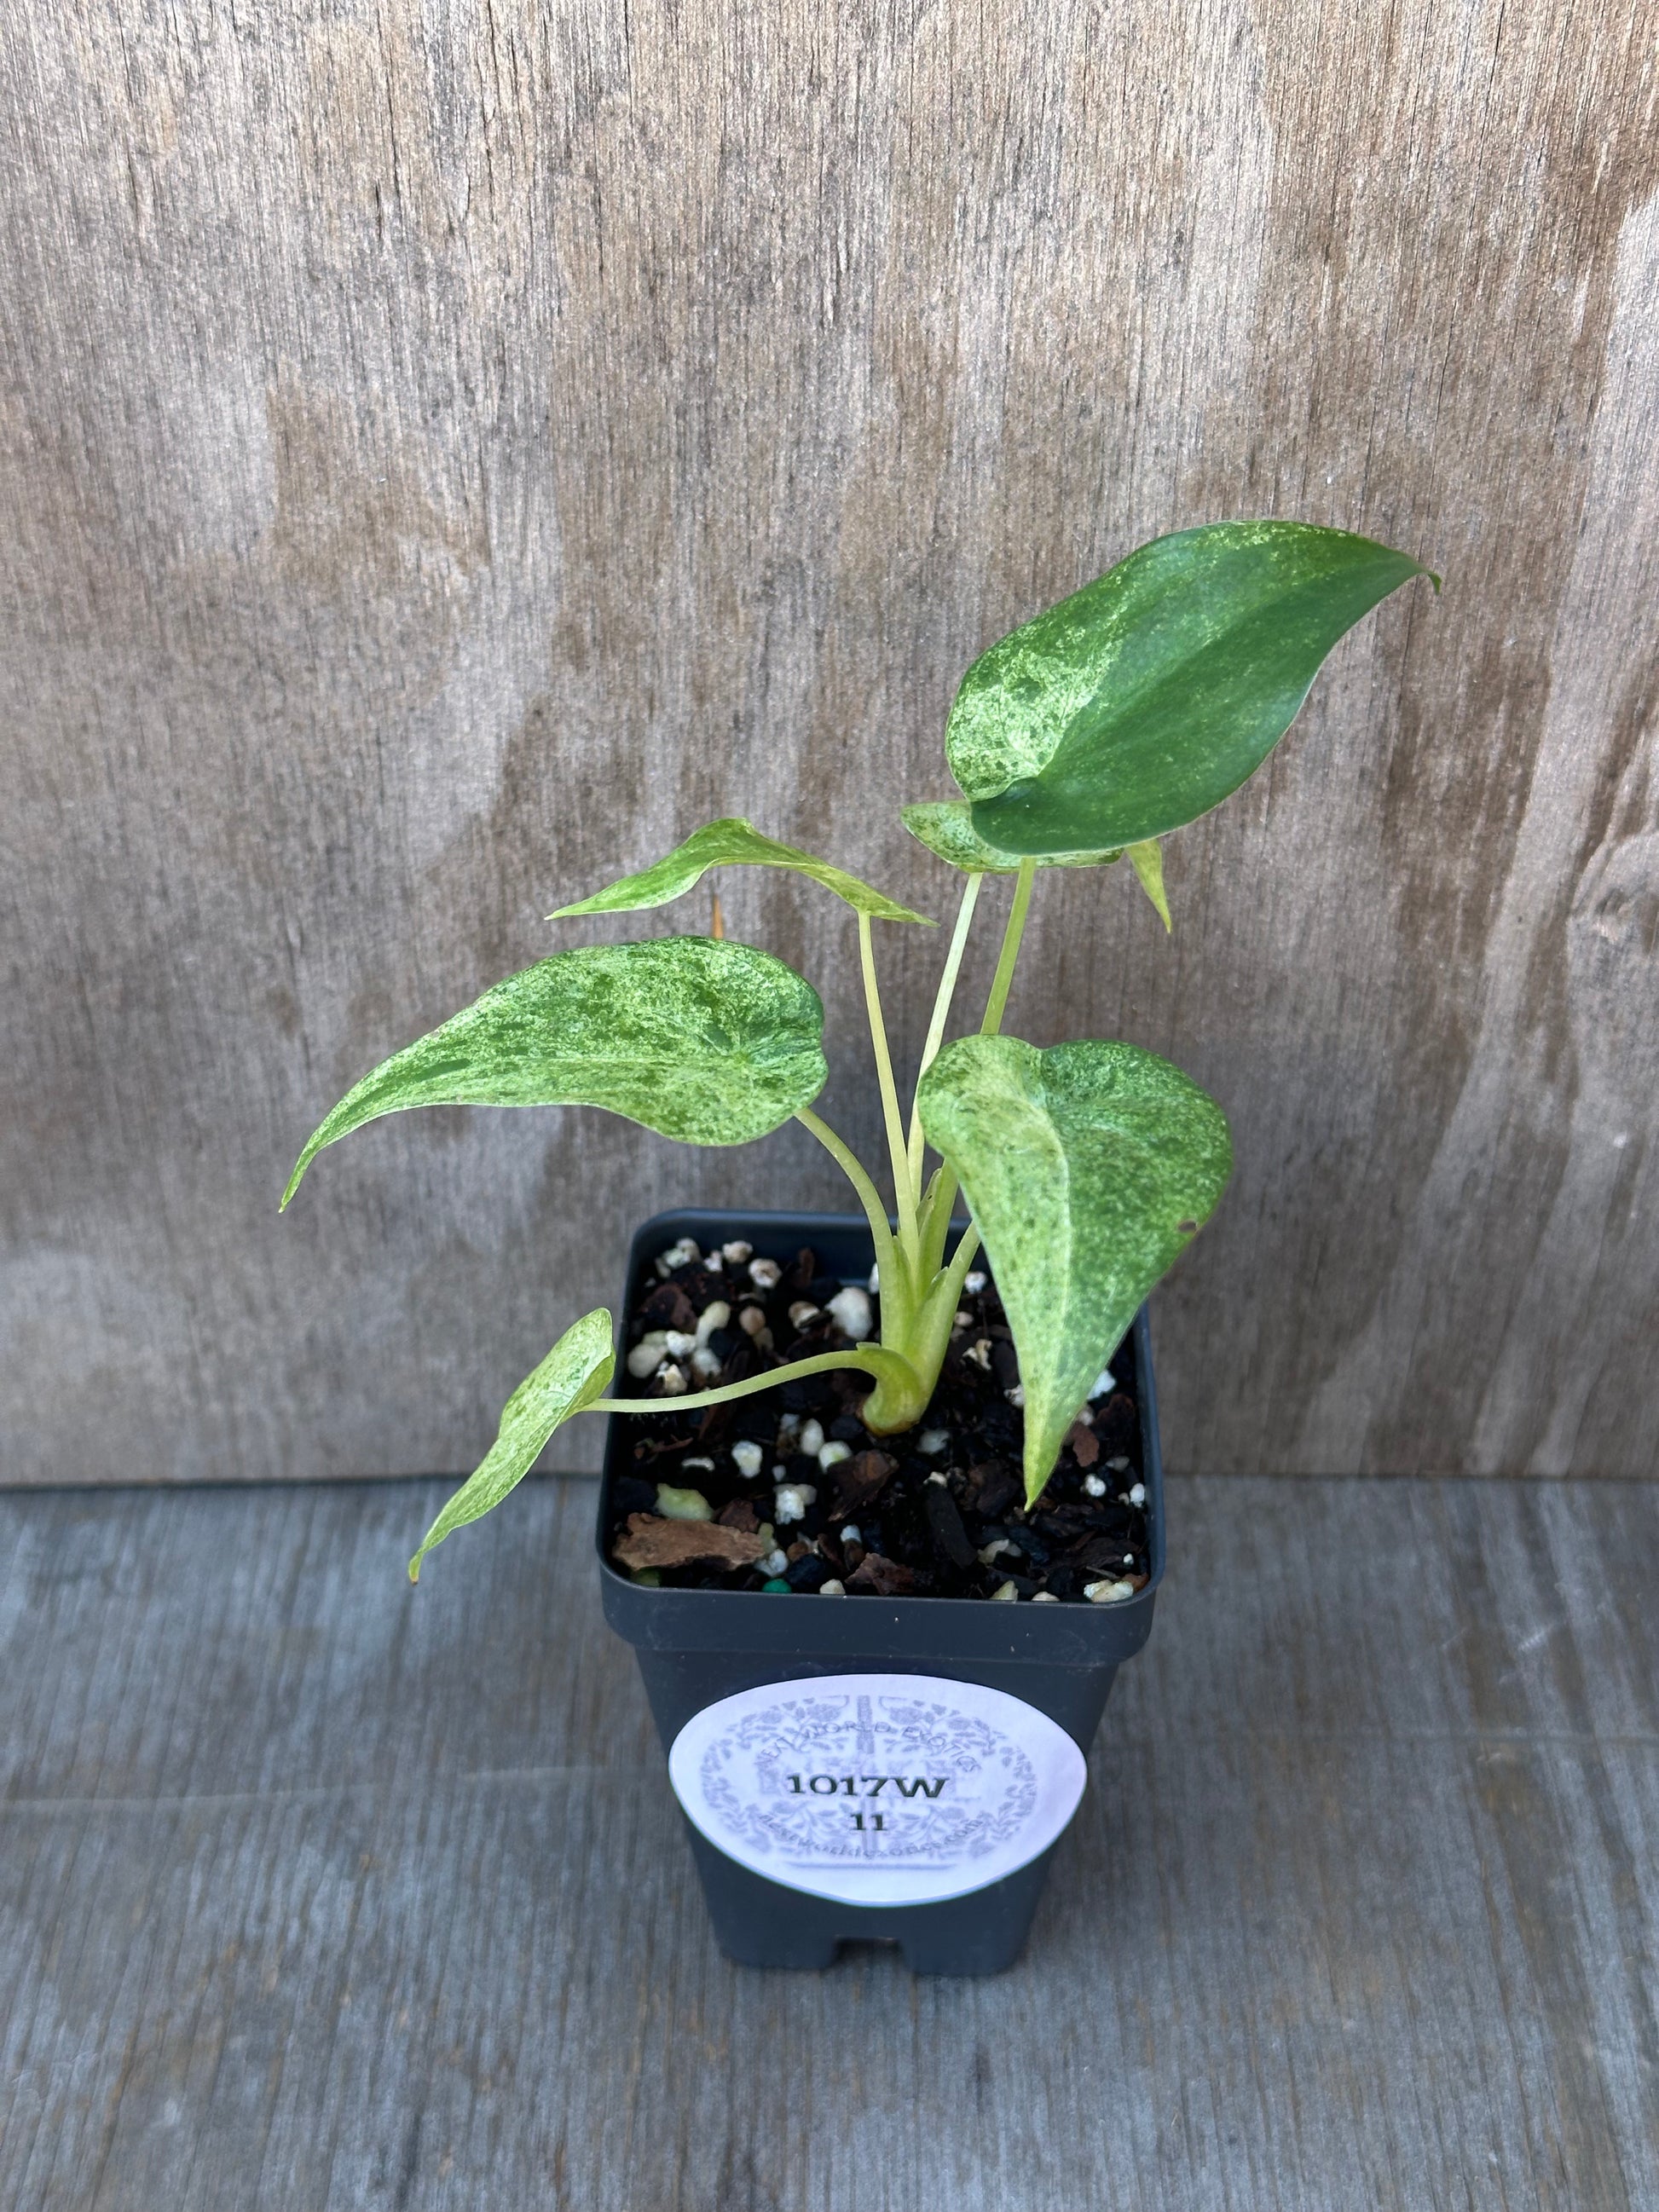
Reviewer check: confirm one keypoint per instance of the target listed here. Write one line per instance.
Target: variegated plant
(1123, 713)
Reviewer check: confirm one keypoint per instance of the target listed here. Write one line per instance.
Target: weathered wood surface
(316, 1892)
(447, 454)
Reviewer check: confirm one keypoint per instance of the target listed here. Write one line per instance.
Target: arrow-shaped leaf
(729, 843)
(945, 827)
(1089, 1167)
(572, 1376)
(1145, 699)
(705, 1040)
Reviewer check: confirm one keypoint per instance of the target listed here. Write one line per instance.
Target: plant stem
(903, 1189)
(961, 1259)
(858, 1176)
(947, 987)
(945, 1196)
(873, 1359)
(1010, 952)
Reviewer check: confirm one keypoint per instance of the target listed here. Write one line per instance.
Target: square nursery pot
(914, 1810)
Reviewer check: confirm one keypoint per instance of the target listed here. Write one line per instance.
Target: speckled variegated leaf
(572, 1376)
(711, 1043)
(1142, 700)
(732, 843)
(945, 827)
(1089, 1167)
(1147, 860)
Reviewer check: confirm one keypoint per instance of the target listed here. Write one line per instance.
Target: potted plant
(945, 1426)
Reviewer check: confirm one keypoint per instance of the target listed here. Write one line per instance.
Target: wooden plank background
(449, 452)
(320, 1894)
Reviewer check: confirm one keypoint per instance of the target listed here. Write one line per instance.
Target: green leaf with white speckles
(729, 843)
(1089, 1168)
(1145, 699)
(573, 1374)
(702, 1040)
(945, 827)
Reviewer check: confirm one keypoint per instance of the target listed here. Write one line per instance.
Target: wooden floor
(315, 1891)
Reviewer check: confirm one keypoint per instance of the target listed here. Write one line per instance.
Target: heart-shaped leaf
(1145, 699)
(945, 827)
(1089, 1167)
(729, 843)
(705, 1040)
(572, 1376)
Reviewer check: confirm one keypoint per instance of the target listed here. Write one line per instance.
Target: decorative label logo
(877, 1788)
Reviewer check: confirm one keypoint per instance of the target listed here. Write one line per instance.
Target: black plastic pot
(695, 1647)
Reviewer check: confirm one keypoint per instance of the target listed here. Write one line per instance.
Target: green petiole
(903, 1186)
(876, 1361)
(947, 987)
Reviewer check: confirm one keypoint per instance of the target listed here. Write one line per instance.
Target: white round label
(877, 1788)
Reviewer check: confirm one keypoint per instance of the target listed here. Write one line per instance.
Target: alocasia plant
(1123, 713)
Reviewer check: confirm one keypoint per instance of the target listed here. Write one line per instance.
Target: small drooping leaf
(945, 827)
(1145, 699)
(702, 1040)
(572, 1376)
(1088, 1169)
(729, 843)
(1147, 860)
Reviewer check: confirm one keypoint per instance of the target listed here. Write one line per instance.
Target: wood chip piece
(885, 1577)
(992, 1486)
(1086, 1444)
(1102, 1555)
(859, 1479)
(654, 1447)
(651, 1542)
(668, 1306)
(1117, 1423)
(738, 1514)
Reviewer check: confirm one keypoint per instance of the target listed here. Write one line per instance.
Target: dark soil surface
(786, 1490)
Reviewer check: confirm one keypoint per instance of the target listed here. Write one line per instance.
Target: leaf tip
(415, 1567)
(1148, 864)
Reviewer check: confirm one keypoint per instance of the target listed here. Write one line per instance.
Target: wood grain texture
(447, 454)
(318, 1892)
